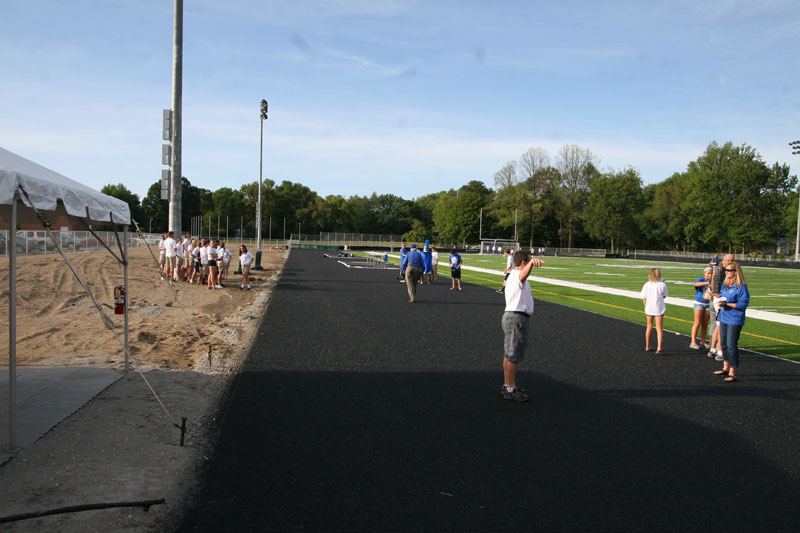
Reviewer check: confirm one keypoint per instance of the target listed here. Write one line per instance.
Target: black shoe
(503, 390)
(516, 395)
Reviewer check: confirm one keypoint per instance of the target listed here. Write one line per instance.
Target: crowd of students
(206, 262)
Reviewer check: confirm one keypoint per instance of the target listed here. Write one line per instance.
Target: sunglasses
(730, 270)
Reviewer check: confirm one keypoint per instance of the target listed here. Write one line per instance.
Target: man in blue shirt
(414, 264)
(403, 252)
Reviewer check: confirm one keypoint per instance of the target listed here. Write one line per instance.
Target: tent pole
(127, 294)
(12, 328)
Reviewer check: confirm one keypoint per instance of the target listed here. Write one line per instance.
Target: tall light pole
(264, 108)
(175, 185)
(796, 151)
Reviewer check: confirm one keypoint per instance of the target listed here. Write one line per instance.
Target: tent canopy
(45, 188)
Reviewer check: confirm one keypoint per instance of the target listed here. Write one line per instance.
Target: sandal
(720, 372)
(729, 379)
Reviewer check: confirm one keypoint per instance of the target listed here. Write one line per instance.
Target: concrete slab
(44, 397)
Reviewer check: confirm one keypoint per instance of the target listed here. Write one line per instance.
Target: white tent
(52, 194)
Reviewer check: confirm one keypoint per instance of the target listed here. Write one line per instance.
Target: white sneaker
(218, 286)
(719, 357)
(248, 287)
(694, 346)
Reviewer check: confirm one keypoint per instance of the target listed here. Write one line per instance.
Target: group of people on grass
(720, 302)
(206, 262)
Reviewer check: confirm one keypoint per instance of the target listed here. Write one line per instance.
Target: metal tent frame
(28, 189)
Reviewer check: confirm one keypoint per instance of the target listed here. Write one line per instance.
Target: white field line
(780, 318)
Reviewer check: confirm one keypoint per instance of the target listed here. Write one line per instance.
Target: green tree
(418, 232)
(613, 208)
(734, 199)
(457, 218)
(576, 165)
(664, 219)
(121, 192)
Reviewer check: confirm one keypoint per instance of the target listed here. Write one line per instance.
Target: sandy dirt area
(58, 324)
(123, 446)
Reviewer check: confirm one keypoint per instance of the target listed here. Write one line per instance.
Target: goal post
(496, 246)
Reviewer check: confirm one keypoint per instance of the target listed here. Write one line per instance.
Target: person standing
(170, 255)
(245, 260)
(403, 253)
(162, 253)
(179, 253)
(507, 270)
(700, 307)
(516, 322)
(733, 301)
(434, 263)
(455, 269)
(427, 262)
(213, 269)
(716, 287)
(414, 265)
(653, 294)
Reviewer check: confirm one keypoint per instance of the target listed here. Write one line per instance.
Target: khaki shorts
(172, 262)
(245, 269)
(180, 261)
(162, 258)
(204, 270)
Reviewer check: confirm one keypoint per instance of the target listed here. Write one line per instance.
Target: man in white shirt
(516, 320)
(171, 254)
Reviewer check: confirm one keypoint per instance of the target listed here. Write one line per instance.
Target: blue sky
(393, 96)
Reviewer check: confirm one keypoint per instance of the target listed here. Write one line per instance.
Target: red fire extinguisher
(119, 300)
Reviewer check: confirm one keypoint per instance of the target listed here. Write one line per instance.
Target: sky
(402, 97)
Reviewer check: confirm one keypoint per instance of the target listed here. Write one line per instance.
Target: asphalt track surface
(357, 411)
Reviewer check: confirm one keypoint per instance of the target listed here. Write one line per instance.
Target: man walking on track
(414, 265)
(516, 320)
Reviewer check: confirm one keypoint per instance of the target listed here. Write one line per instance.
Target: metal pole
(258, 204)
(270, 229)
(227, 223)
(797, 243)
(12, 328)
(175, 198)
(127, 294)
(218, 217)
(259, 209)
(284, 228)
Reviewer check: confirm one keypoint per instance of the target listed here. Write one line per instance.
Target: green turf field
(771, 289)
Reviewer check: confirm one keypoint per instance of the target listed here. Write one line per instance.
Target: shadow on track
(356, 411)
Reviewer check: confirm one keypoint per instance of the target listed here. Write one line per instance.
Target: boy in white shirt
(516, 320)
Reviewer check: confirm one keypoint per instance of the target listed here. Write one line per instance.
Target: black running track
(357, 411)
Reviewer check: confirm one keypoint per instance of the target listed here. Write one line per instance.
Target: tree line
(728, 199)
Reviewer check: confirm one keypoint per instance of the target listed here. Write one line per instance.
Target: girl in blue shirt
(733, 301)
(700, 310)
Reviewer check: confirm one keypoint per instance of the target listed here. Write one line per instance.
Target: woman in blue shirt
(733, 301)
